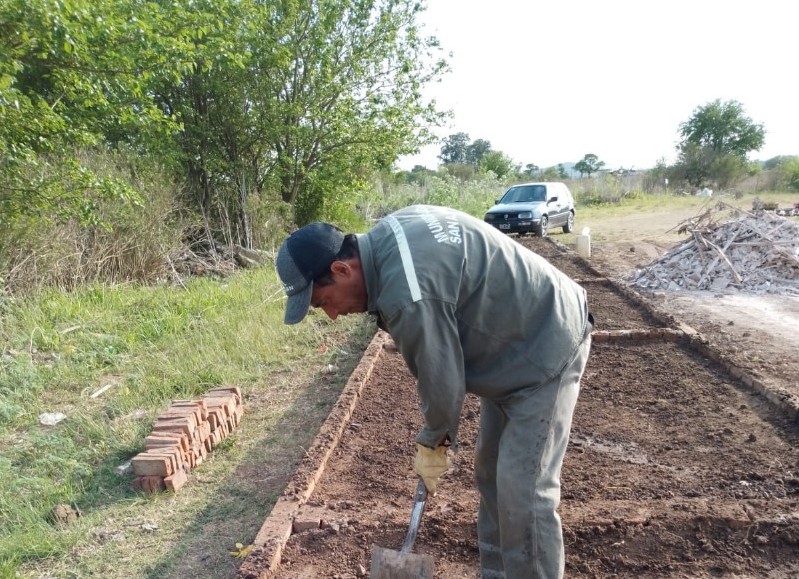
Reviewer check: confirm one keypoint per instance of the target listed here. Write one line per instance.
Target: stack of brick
(183, 436)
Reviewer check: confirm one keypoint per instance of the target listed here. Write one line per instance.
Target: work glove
(430, 464)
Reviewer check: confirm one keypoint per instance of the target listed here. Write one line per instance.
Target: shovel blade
(390, 564)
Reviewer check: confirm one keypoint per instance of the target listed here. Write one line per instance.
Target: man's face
(347, 293)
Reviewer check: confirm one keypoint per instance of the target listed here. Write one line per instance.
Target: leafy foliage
(531, 169)
(72, 75)
(715, 143)
(498, 163)
(246, 101)
(723, 128)
(477, 151)
(318, 85)
(789, 173)
(778, 161)
(453, 149)
(588, 165)
(463, 159)
(117, 240)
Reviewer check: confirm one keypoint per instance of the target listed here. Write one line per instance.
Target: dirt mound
(755, 253)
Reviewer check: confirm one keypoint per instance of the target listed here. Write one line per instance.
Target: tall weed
(473, 197)
(130, 242)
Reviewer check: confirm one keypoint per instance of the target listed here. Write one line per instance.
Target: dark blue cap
(305, 255)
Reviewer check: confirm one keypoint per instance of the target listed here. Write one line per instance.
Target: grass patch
(154, 345)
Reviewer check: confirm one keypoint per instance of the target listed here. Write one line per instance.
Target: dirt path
(675, 468)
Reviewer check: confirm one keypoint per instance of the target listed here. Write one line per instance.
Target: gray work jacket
(469, 308)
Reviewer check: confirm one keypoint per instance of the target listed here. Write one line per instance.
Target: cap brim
(298, 305)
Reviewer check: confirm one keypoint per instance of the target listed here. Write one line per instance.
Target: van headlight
(526, 215)
(489, 217)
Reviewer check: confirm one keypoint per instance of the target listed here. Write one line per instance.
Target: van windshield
(525, 194)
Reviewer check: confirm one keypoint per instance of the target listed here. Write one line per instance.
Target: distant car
(533, 208)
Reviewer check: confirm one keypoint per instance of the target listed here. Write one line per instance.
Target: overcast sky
(548, 82)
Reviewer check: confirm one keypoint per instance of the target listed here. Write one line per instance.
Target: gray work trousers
(518, 459)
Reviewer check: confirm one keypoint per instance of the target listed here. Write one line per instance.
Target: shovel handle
(416, 517)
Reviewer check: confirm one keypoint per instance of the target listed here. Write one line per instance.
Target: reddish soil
(675, 468)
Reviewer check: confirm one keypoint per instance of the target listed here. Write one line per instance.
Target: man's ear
(340, 268)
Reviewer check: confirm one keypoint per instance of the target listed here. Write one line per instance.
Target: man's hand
(430, 464)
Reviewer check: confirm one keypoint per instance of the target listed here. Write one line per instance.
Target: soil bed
(674, 469)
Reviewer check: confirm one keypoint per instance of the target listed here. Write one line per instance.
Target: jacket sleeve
(426, 334)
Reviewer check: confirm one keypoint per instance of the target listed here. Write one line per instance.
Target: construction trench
(679, 464)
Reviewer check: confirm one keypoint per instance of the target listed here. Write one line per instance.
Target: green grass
(153, 345)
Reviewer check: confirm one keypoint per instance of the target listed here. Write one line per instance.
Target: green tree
(715, 143)
(326, 94)
(461, 171)
(350, 96)
(419, 175)
(657, 178)
(454, 148)
(223, 144)
(553, 173)
(72, 76)
(776, 162)
(589, 164)
(498, 163)
(531, 169)
(476, 151)
(723, 128)
(257, 102)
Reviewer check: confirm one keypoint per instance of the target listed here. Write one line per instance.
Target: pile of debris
(754, 252)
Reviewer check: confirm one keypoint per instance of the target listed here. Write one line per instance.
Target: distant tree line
(714, 147)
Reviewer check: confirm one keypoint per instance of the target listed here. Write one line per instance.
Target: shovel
(402, 564)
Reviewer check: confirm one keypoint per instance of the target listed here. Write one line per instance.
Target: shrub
(789, 174)
(123, 241)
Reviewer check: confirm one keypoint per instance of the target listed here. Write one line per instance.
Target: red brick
(156, 441)
(177, 480)
(189, 416)
(181, 437)
(198, 405)
(154, 484)
(174, 425)
(149, 484)
(231, 389)
(174, 454)
(225, 400)
(145, 464)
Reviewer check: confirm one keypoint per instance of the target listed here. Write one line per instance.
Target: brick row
(182, 437)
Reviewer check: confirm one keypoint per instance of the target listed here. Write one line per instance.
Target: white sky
(550, 81)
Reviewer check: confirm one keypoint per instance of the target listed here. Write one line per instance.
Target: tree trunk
(242, 217)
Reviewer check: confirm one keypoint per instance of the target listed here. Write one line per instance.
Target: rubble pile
(754, 252)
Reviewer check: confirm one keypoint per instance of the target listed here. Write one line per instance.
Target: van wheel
(568, 227)
(542, 229)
